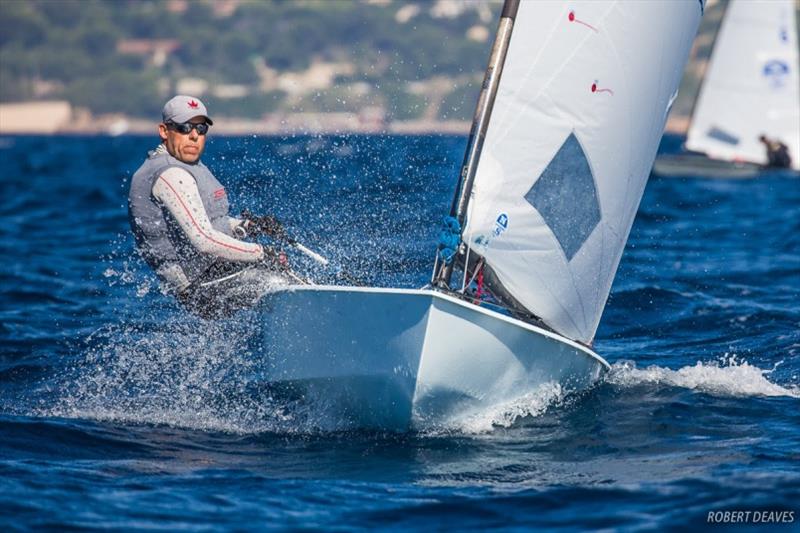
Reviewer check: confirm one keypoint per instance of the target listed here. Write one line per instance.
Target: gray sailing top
(179, 217)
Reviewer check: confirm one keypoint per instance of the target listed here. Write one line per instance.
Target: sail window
(566, 197)
(723, 136)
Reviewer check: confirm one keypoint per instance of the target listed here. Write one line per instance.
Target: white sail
(579, 113)
(751, 85)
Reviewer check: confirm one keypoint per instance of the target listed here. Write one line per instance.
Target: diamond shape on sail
(566, 197)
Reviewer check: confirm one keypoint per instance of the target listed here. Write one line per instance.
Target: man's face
(186, 147)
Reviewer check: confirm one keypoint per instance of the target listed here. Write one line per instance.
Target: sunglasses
(185, 128)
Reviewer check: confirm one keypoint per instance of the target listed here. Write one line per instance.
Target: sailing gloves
(262, 225)
(269, 226)
(449, 238)
(276, 259)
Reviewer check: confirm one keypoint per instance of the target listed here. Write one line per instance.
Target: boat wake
(727, 377)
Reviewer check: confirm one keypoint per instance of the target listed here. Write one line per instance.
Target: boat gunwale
(430, 293)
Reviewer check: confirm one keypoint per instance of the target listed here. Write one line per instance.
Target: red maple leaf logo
(193, 104)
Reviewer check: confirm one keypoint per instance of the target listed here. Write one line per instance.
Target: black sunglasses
(185, 128)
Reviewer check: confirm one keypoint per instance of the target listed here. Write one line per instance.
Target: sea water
(117, 410)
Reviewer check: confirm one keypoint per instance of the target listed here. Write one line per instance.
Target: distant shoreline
(60, 118)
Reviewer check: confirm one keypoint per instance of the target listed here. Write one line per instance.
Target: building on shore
(35, 117)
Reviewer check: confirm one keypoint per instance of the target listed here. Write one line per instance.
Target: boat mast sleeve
(177, 191)
(480, 124)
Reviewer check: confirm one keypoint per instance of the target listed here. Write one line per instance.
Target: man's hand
(275, 258)
(263, 225)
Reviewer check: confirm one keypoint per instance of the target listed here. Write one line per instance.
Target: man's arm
(177, 190)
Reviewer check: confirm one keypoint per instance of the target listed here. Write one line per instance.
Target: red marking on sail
(572, 18)
(596, 89)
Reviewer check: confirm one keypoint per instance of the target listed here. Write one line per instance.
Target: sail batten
(577, 119)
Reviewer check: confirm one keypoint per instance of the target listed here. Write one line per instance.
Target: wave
(726, 377)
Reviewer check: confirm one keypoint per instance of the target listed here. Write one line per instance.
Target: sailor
(179, 216)
(777, 153)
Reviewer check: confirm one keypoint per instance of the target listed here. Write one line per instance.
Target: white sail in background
(578, 117)
(751, 85)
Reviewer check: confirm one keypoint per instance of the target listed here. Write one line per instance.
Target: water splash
(502, 415)
(177, 370)
(727, 377)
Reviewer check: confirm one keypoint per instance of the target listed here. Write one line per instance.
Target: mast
(480, 123)
(705, 70)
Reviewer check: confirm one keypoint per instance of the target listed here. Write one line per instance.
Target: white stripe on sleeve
(177, 190)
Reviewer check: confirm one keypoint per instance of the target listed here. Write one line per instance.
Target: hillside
(270, 65)
(404, 60)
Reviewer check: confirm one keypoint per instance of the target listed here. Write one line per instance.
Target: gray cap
(183, 108)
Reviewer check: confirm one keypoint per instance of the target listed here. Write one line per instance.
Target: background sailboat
(561, 148)
(751, 87)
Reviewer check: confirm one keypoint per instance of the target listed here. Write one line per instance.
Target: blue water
(119, 411)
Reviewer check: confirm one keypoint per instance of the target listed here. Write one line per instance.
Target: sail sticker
(565, 195)
(776, 72)
(500, 225)
(718, 134)
(571, 17)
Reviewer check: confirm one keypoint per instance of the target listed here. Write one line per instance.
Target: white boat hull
(395, 359)
(692, 165)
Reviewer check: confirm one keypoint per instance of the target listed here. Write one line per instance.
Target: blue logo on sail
(501, 224)
(776, 72)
